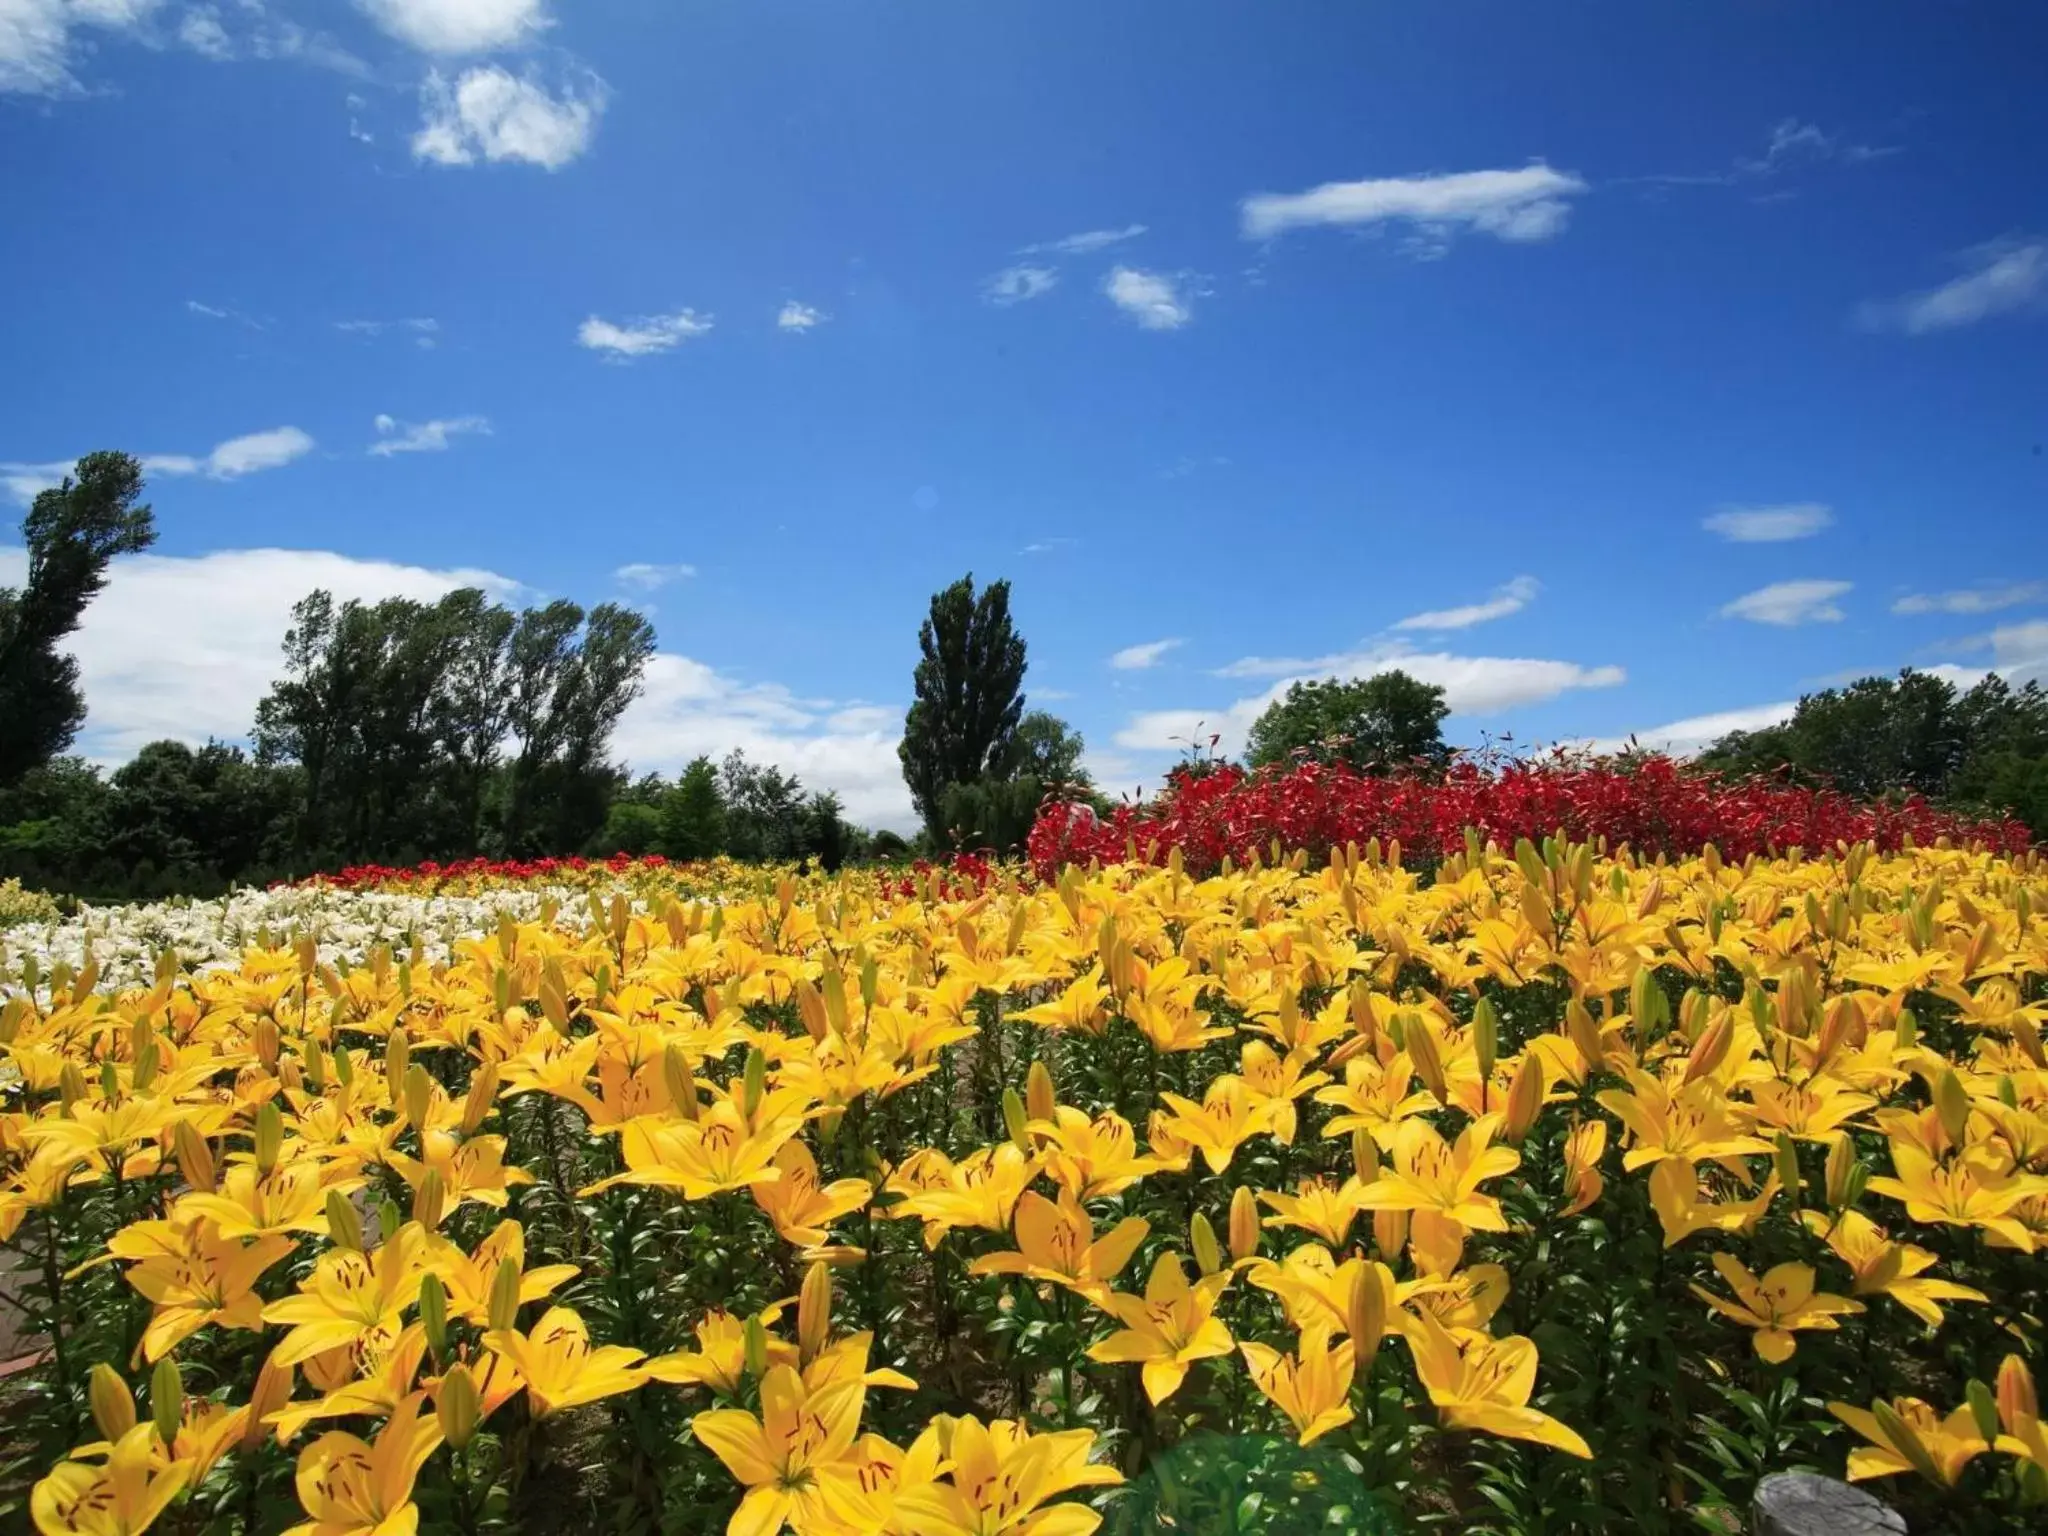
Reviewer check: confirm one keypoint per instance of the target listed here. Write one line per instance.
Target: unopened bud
(754, 1083)
(1525, 1098)
(1840, 1166)
(678, 1079)
(754, 1346)
(482, 1096)
(269, 1137)
(1907, 1031)
(417, 1097)
(504, 1312)
(1202, 1237)
(1366, 1316)
(1710, 1049)
(1485, 1037)
(1906, 1441)
(1390, 1233)
(1244, 1224)
(1039, 1097)
(344, 1226)
(70, 1085)
(1787, 1155)
(2016, 1398)
(1984, 1409)
(167, 1399)
(1952, 1104)
(434, 1312)
(264, 1040)
(1420, 1044)
(430, 1200)
(195, 1159)
(1014, 1119)
(458, 1405)
(814, 1312)
(1585, 1034)
(272, 1391)
(1365, 1155)
(113, 1405)
(397, 1057)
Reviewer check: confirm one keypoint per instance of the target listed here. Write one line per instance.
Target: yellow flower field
(1546, 1191)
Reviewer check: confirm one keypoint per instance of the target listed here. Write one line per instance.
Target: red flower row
(1654, 805)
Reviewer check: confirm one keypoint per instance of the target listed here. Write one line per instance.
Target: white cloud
(1510, 598)
(490, 113)
(36, 38)
(1524, 205)
(1136, 658)
(1787, 603)
(643, 577)
(230, 460)
(2003, 278)
(1682, 738)
(459, 26)
(184, 647)
(1154, 299)
(200, 30)
(193, 305)
(1014, 285)
(1085, 243)
(1769, 525)
(1982, 599)
(637, 338)
(799, 317)
(1473, 685)
(24, 482)
(423, 436)
(2019, 652)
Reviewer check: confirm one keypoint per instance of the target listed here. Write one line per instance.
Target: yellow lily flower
(1375, 1098)
(352, 1298)
(1316, 1291)
(376, 1379)
(1886, 1268)
(1484, 1383)
(1169, 1328)
(1081, 1006)
(1908, 1435)
(1311, 1386)
(121, 1497)
(291, 1198)
(1091, 1158)
(1675, 1196)
(1776, 1306)
(720, 1358)
(1692, 1121)
(1959, 1194)
(1275, 1082)
(1812, 1112)
(468, 1277)
(702, 1157)
(211, 1281)
(1319, 1208)
(353, 1488)
(1057, 1243)
(786, 1456)
(1583, 1148)
(1227, 1117)
(1000, 1481)
(1430, 1175)
(799, 1206)
(470, 1170)
(981, 1190)
(561, 1368)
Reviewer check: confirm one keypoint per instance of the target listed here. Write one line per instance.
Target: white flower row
(207, 935)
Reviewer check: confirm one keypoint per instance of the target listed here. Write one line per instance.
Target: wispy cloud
(1979, 599)
(221, 312)
(1770, 525)
(1683, 738)
(1018, 284)
(799, 317)
(643, 577)
(1085, 243)
(1793, 145)
(1512, 597)
(1157, 301)
(640, 337)
(459, 26)
(488, 113)
(1138, 658)
(238, 456)
(424, 330)
(2004, 277)
(423, 436)
(1047, 545)
(1786, 603)
(1522, 205)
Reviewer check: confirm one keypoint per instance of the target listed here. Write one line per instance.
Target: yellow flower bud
(1952, 1104)
(1525, 1098)
(1420, 1044)
(1365, 1155)
(1014, 1120)
(264, 1040)
(1585, 1034)
(483, 1095)
(1983, 1408)
(677, 1077)
(1841, 1165)
(195, 1160)
(754, 1083)
(397, 1057)
(1244, 1224)
(2016, 1392)
(272, 1391)
(810, 1008)
(814, 1312)
(1787, 1155)
(1366, 1316)
(1906, 1441)
(1710, 1049)
(430, 1200)
(1039, 1097)
(1485, 1037)
(504, 1313)
(754, 1345)
(269, 1136)
(1390, 1233)
(1203, 1238)
(344, 1226)
(113, 1405)
(417, 1097)
(458, 1405)
(167, 1399)
(70, 1085)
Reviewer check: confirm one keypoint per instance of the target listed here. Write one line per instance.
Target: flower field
(1548, 1190)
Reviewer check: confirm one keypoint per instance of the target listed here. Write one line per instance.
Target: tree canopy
(968, 696)
(72, 533)
(1375, 724)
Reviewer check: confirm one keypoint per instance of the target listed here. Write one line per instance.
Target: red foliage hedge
(1652, 804)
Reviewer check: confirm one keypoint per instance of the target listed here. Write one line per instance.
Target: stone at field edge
(1805, 1504)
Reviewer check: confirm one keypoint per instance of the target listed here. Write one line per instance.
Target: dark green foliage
(1981, 749)
(72, 532)
(969, 698)
(693, 813)
(1375, 724)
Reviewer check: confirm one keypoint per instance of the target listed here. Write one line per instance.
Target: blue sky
(1613, 365)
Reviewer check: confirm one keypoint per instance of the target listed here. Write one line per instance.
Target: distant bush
(19, 904)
